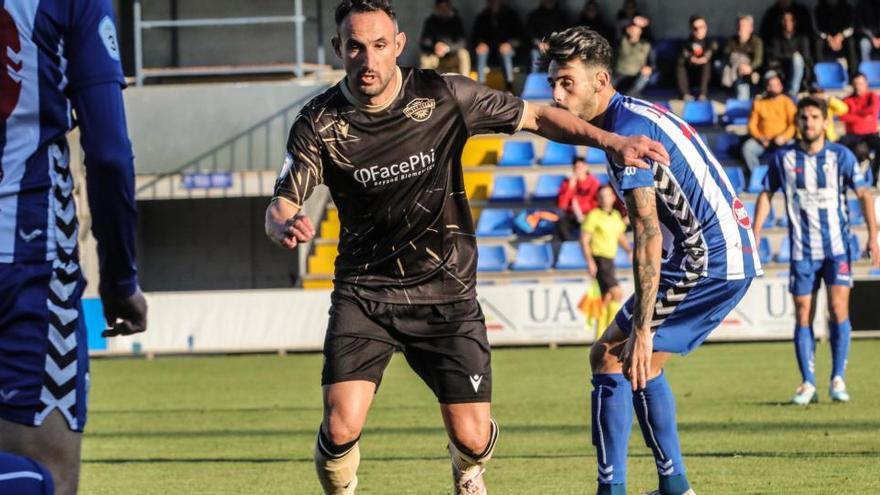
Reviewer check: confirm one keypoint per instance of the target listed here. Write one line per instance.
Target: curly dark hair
(347, 7)
(579, 43)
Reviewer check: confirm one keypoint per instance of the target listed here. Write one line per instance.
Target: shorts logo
(420, 109)
(107, 33)
(475, 381)
(843, 268)
(741, 214)
(7, 395)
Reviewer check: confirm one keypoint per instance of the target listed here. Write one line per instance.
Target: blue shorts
(44, 362)
(687, 310)
(806, 275)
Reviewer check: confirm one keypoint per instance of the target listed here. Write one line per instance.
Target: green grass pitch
(246, 424)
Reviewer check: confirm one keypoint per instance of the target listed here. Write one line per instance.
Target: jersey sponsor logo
(380, 175)
(741, 214)
(107, 33)
(629, 171)
(475, 382)
(420, 109)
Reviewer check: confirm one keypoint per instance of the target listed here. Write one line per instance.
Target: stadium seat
(871, 70)
(874, 272)
(517, 154)
(536, 87)
(622, 260)
(602, 177)
(571, 256)
(784, 254)
(595, 156)
(531, 257)
(830, 75)
(737, 178)
(855, 247)
(765, 252)
(736, 112)
(481, 151)
(558, 154)
(855, 212)
(771, 216)
(698, 113)
(491, 258)
(726, 146)
(495, 222)
(547, 188)
(756, 181)
(508, 188)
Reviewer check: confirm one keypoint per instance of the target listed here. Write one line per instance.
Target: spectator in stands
(443, 43)
(630, 12)
(789, 52)
(695, 59)
(635, 62)
(541, 23)
(497, 31)
(773, 19)
(577, 196)
(834, 23)
(861, 122)
(743, 56)
(836, 108)
(868, 28)
(591, 17)
(771, 123)
(601, 233)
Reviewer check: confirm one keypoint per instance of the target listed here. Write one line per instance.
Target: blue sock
(805, 350)
(612, 424)
(840, 334)
(23, 476)
(655, 408)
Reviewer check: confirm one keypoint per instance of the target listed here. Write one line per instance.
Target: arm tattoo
(642, 206)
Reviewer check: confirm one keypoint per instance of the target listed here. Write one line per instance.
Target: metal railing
(140, 25)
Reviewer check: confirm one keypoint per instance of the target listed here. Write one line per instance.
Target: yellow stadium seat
(481, 151)
(318, 284)
(476, 184)
(319, 265)
(325, 251)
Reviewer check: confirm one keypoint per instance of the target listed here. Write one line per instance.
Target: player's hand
(873, 252)
(291, 232)
(637, 151)
(591, 267)
(125, 315)
(636, 357)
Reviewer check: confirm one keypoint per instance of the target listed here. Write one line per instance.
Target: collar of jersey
(343, 86)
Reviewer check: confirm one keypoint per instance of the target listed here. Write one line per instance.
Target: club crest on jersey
(741, 214)
(420, 109)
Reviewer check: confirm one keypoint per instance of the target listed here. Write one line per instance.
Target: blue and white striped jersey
(706, 228)
(815, 197)
(48, 49)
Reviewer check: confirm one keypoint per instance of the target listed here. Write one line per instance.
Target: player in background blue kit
(694, 259)
(58, 58)
(814, 175)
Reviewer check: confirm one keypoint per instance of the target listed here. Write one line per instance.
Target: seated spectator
(836, 108)
(789, 53)
(861, 122)
(634, 62)
(743, 56)
(444, 47)
(868, 28)
(771, 123)
(541, 23)
(695, 59)
(834, 23)
(628, 13)
(577, 196)
(591, 17)
(773, 19)
(497, 31)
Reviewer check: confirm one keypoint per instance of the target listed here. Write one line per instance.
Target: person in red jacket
(577, 196)
(861, 122)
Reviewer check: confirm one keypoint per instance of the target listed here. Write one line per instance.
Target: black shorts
(445, 344)
(605, 273)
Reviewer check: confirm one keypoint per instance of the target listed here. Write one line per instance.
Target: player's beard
(380, 82)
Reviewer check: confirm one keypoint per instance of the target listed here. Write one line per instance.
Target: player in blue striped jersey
(694, 259)
(815, 175)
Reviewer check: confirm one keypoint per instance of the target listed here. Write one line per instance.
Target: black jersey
(394, 172)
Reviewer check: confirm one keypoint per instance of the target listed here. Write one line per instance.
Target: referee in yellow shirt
(602, 231)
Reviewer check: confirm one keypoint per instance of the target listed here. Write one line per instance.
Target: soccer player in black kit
(387, 142)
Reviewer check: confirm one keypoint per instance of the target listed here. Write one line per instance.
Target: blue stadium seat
(537, 87)
(508, 188)
(698, 113)
(491, 258)
(548, 187)
(871, 70)
(595, 155)
(756, 181)
(737, 178)
(771, 217)
(558, 154)
(765, 252)
(736, 112)
(622, 259)
(874, 272)
(855, 212)
(517, 154)
(855, 247)
(495, 222)
(602, 177)
(571, 256)
(726, 146)
(784, 254)
(533, 257)
(782, 221)
(830, 75)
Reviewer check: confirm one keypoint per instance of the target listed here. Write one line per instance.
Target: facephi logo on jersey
(107, 33)
(380, 175)
(420, 109)
(741, 214)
